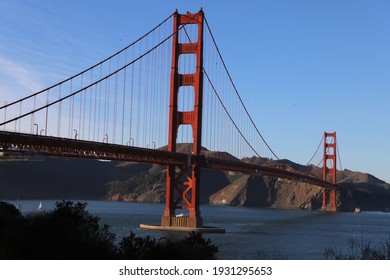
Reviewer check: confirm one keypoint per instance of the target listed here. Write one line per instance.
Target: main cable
(90, 85)
(322, 139)
(90, 68)
(236, 91)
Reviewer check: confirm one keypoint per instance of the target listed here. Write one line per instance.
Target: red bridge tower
(329, 197)
(182, 190)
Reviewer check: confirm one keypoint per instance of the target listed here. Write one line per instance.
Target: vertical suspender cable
(115, 104)
(70, 109)
(131, 140)
(146, 101)
(124, 99)
(90, 108)
(47, 112)
(81, 105)
(99, 105)
(20, 113)
(138, 122)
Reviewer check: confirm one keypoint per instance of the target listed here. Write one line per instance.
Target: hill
(37, 177)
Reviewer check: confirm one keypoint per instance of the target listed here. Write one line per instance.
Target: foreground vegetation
(360, 250)
(70, 232)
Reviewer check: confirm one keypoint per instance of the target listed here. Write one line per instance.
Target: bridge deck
(64, 147)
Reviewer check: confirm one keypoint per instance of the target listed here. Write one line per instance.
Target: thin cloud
(16, 80)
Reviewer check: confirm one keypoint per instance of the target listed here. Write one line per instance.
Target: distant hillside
(57, 178)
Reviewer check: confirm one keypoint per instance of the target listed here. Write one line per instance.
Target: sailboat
(40, 206)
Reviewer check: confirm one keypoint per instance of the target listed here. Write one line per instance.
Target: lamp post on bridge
(36, 129)
(131, 142)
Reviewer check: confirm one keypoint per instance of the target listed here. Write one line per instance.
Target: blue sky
(302, 67)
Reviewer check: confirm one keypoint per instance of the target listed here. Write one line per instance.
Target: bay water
(251, 233)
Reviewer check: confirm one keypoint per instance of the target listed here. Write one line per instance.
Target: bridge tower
(182, 190)
(329, 197)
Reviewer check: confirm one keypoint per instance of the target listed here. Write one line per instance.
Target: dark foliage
(70, 232)
(361, 251)
(8, 212)
(270, 255)
(192, 247)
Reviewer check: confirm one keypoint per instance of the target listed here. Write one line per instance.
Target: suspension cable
(86, 70)
(220, 100)
(338, 156)
(322, 139)
(94, 83)
(230, 117)
(90, 85)
(236, 91)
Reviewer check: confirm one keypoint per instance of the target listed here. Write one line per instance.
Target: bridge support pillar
(329, 200)
(182, 193)
(182, 190)
(329, 197)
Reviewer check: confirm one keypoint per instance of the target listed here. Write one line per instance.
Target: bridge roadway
(74, 148)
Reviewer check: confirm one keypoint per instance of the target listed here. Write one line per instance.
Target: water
(295, 234)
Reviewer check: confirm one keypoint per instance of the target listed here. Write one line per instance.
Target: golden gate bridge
(168, 99)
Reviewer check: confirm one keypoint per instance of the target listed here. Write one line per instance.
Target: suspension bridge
(168, 99)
